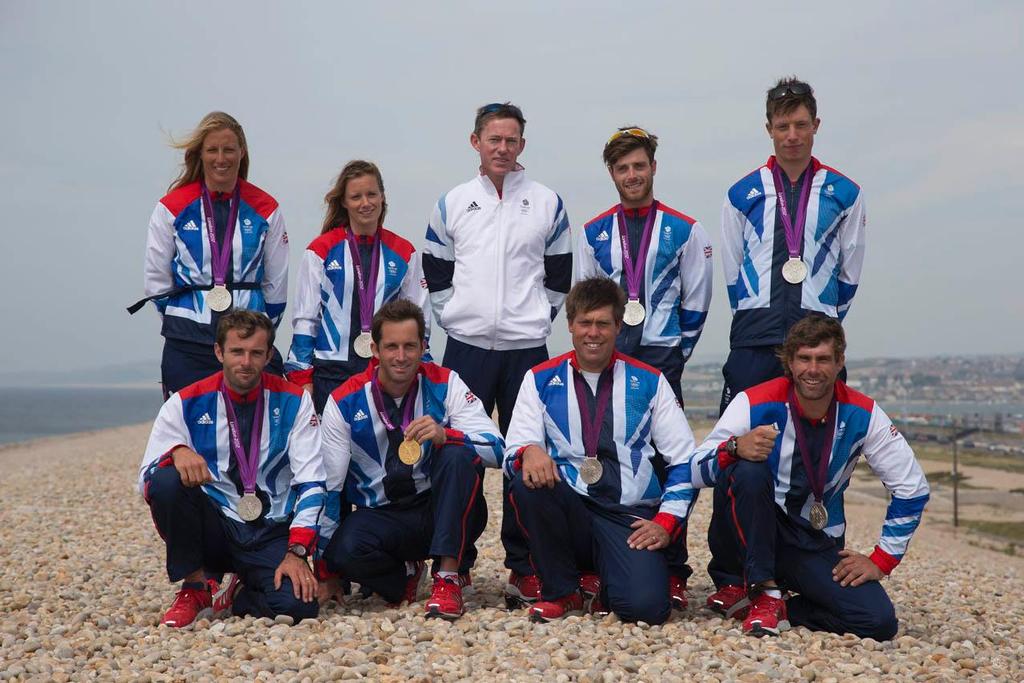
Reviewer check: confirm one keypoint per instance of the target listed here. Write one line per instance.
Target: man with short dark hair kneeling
(778, 520)
(233, 477)
(579, 453)
(408, 441)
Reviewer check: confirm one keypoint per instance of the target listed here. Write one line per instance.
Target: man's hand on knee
(539, 470)
(756, 444)
(648, 536)
(855, 568)
(304, 584)
(191, 467)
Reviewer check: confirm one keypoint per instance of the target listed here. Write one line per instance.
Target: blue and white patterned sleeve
(708, 461)
(696, 273)
(469, 424)
(308, 475)
(335, 451)
(851, 254)
(439, 259)
(890, 457)
(558, 259)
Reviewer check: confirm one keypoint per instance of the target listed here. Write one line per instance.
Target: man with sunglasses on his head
(792, 241)
(498, 264)
(661, 258)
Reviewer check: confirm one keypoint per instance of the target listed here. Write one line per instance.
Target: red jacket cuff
(666, 521)
(517, 464)
(884, 560)
(321, 572)
(454, 435)
(303, 536)
(724, 459)
(300, 377)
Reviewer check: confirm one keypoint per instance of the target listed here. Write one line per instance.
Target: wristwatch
(731, 446)
(298, 550)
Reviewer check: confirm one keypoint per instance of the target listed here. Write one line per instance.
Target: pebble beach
(82, 589)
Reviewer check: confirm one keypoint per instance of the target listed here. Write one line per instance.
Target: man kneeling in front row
(408, 442)
(779, 459)
(585, 430)
(233, 477)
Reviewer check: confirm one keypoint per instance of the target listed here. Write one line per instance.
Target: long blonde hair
(192, 166)
(337, 214)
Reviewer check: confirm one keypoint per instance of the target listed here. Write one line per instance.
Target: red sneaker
(412, 585)
(677, 592)
(729, 601)
(767, 616)
(223, 594)
(550, 610)
(189, 605)
(590, 586)
(446, 599)
(521, 590)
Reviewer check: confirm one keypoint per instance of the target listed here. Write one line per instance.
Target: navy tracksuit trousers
(372, 545)
(495, 377)
(569, 534)
(752, 540)
(198, 536)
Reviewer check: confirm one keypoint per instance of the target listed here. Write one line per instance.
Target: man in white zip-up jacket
(498, 264)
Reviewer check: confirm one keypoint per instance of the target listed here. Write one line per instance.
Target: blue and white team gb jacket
(863, 429)
(643, 411)
(291, 473)
(325, 296)
(178, 255)
(356, 446)
(677, 276)
(833, 250)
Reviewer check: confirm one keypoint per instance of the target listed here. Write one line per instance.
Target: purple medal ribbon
(792, 228)
(367, 291)
(591, 424)
(635, 271)
(817, 480)
(408, 403)
(248, 461)
(220, 255)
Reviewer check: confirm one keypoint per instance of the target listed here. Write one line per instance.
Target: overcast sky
(920, 103)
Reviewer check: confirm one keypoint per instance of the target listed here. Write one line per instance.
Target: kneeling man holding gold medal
(407, 441)
(779, 459)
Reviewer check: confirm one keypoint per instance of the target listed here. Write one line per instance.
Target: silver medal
(794, 271)
(591, 470)
(218, 298)
(249, 507)
(362, 345)
(635, 313)
(819, 516)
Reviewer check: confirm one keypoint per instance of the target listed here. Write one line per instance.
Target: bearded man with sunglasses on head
(792, 241)
(661, 258)
(498, 265)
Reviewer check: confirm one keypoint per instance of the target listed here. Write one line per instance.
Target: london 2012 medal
(794, 271)
(635, 313)
(362, 345)
(591, 470)
(819, 516)
(218, 298)
(409, 452)
(249, 507)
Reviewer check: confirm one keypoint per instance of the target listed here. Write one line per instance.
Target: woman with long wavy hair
(354, 267)
(216, 242)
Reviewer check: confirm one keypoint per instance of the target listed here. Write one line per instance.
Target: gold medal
(591, 471)
(249, 507)
(819, 516)
(409, 452)
(218, 298)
